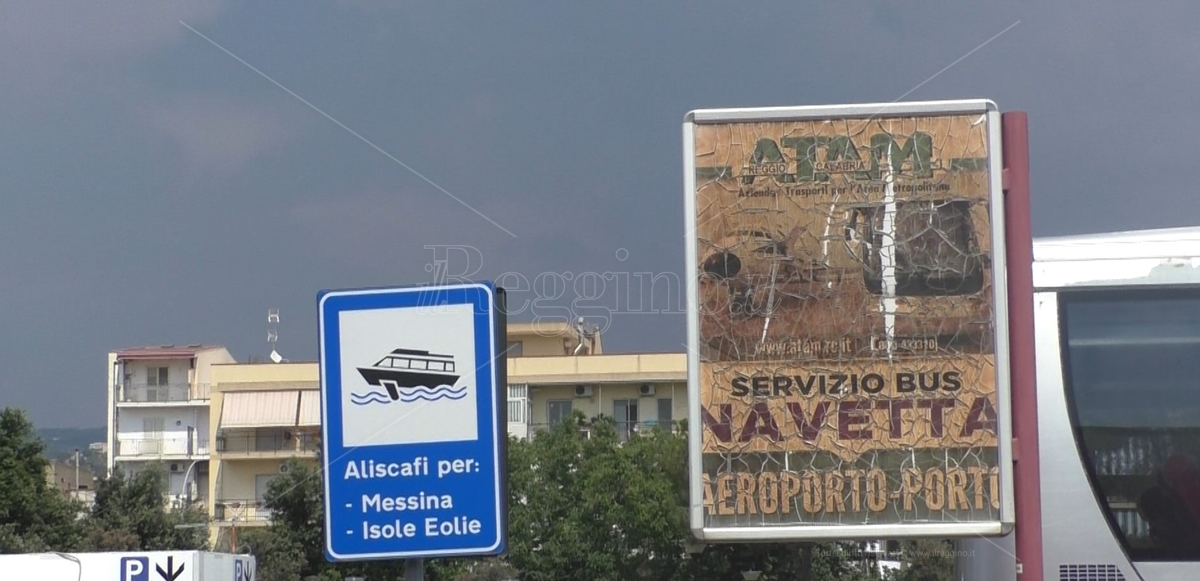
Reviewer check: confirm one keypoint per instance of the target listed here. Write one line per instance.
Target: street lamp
(76, 495)
(187, 492)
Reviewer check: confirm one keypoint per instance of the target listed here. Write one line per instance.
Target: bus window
(1132, 375)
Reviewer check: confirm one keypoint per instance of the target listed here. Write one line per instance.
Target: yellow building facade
(261, 415)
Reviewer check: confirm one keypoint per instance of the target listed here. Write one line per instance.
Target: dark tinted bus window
(1133, 386)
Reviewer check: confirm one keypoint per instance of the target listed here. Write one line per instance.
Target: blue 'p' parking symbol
(135, 569)
(242, 571)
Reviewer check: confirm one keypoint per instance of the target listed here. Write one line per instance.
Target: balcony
(169, 393)
(624, 429)
(161, 447)
(267, 443)
(241, 511)
(180, 501)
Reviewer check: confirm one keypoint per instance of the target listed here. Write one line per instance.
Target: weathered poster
(847, 321)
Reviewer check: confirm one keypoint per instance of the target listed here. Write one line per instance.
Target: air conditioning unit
(176, 468)
(583, 391)
(283, 468)
(646, 389)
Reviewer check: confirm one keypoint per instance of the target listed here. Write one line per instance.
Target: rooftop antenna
(581, 330)
(273, 334)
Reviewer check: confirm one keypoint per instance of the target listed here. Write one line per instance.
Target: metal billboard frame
(996, 205)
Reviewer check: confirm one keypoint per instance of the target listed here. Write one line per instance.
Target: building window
(262, 483)
(157, 375)
(270, 440)
(665, 410)
(625, 412)
(153, 428)
(152, 437)
(515, 348)
(517, 400)
(558, 410)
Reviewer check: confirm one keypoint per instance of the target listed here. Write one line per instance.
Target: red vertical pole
(1019, 248)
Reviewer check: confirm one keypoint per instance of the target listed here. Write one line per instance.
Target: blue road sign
(243, 570)
(412, 391)
(135, 569)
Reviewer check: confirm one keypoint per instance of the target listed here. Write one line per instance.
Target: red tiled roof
(163, 351)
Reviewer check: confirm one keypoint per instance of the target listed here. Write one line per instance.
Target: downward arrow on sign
(170, 574)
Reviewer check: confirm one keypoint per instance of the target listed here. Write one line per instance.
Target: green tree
(599, 508)
(280, 556)
(33, 515)
(296, 502)
(130, 514)
(925, 560)
(487, 570)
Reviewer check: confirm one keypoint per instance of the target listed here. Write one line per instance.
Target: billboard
(847, 325)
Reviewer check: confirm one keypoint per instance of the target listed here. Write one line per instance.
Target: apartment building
(261, 415)
(550, 338)
(73, 479)
(557, 368)
(158, 411)
(637, 391)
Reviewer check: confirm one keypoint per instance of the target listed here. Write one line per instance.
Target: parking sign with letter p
(242, 571)
(135, 569)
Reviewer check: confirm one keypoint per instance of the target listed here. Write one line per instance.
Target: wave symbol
(369, 398)
(411, 394)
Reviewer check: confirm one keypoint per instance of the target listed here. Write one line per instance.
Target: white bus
(1117, 327)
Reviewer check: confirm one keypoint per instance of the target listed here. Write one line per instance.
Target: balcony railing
(179, 501)
(170, 393)
(268, 443)
(624, 429)
(156, 447)
(241, 510)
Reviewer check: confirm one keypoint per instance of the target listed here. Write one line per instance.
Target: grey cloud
(55, 45)
(215, 133)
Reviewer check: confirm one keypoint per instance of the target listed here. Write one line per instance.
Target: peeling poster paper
(847, 335)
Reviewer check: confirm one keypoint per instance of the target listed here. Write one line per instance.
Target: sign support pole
(1026, 477)
(414, 570)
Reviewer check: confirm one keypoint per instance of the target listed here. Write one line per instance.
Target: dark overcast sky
(155, 190)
